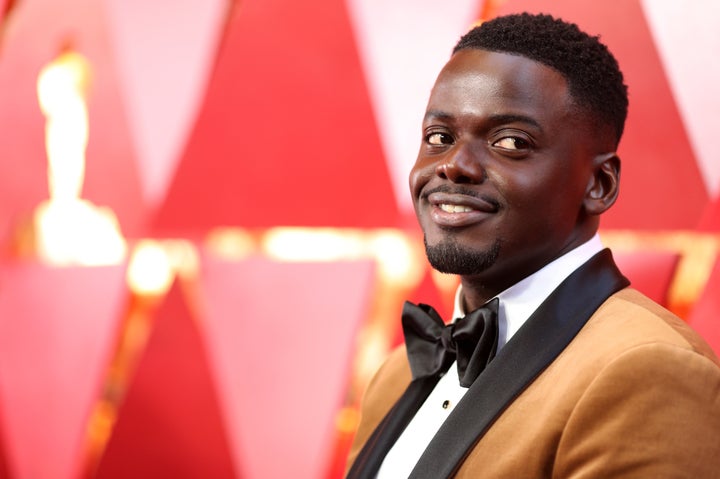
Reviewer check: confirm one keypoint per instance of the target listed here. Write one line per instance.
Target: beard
(452, 258)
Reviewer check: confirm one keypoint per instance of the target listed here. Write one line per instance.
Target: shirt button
(445, 404)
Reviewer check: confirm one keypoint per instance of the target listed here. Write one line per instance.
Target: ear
(604, 185)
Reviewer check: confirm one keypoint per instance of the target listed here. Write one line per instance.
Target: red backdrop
(252, 115)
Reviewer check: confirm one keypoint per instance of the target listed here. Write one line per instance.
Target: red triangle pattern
(650, 272)
(286, 135)
(282, 336)
(57, 327)
(169, 424)
(704, 317)
(4, 468)
(710, 221)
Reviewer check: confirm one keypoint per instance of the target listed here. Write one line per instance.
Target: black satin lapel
(373, 453)
(538, 342)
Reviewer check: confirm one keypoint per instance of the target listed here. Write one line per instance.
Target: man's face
(503, 168)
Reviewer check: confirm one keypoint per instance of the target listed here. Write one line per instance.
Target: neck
(475, 294)
(479, 289)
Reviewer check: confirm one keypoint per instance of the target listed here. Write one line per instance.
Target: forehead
(483, 82)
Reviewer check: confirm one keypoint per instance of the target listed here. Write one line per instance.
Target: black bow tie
(432, 346)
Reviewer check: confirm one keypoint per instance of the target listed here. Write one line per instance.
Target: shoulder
(654, 407)
(654, 382)
(628, 319)
(632, 353)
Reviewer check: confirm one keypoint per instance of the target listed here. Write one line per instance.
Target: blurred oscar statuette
(67, 229)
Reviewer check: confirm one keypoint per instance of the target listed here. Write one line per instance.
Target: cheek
(546, 211)
(537, 202)
(547, 183)
(520, 189)
(420, 174)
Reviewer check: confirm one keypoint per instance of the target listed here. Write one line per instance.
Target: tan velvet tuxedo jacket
(635, 393)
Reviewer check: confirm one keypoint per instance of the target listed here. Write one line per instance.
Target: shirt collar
(520, 300)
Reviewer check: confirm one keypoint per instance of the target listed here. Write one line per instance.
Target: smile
(457, 216)
(455, 208)
(449, 202)
(458, 208)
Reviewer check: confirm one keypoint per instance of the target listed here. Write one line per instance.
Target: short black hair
(591, 71)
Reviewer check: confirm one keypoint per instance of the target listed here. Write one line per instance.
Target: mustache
(459, 190)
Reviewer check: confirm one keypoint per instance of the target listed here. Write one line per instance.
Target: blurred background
(205, 231)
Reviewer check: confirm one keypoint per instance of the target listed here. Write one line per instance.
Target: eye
(512, 143)
(438, 138)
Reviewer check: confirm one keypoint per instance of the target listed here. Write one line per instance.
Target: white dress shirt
(517, 303)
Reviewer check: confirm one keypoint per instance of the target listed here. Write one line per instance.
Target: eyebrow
(501, 119)
(493, 119)
(439, 114)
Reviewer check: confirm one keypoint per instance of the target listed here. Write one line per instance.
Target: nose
(461, 166)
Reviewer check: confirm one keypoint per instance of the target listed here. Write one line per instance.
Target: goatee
(451, 258)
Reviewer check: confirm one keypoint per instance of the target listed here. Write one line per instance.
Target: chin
(450, 257)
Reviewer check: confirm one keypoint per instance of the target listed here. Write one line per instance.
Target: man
(559, 369)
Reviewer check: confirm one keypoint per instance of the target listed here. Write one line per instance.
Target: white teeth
(455, 208)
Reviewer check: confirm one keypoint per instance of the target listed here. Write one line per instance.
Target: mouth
(451, 209)
(454, 208)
